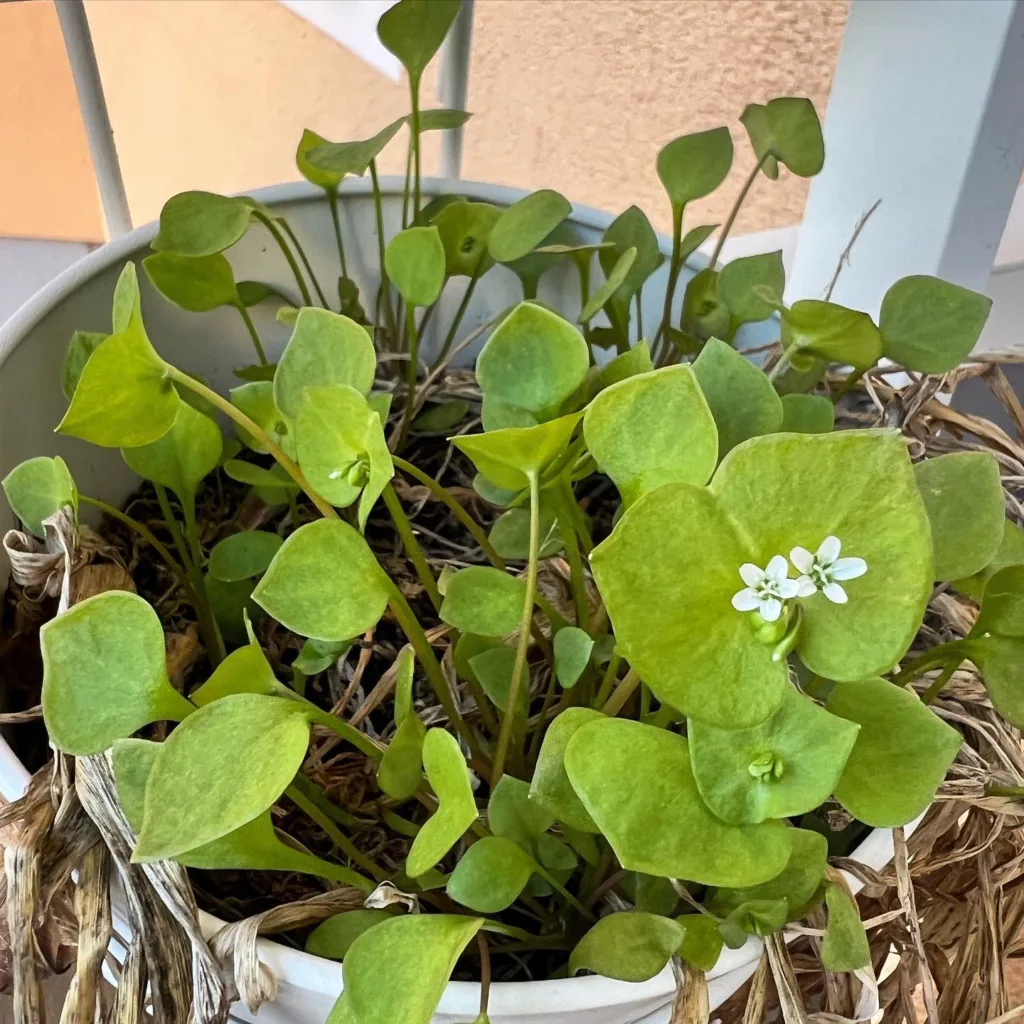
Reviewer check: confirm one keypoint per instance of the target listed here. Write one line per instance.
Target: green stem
(188, 510)
(583, 266)
(458, 510)
(939, 655)
(407, 186)
(305, 262)
(384, 282)
(307, 299)
(731, 219)
(459, 314)
(410, 375)
(567, 529)
(347, 732)
(251, 328)
(639, 315)
(674, 266)
(414, 127)
(401, 825)
(622, 693)
(236, 414)
(332, 202)
(937, 686)
(412, 545)
(313, 792)
(608, 681)
(173, 526)
(340, 840)
(523, 644)
(538, 733)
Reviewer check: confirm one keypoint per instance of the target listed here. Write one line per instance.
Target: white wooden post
(926, 114)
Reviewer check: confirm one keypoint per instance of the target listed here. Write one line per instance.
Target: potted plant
(620, 777)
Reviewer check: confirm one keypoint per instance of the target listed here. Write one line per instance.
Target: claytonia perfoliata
(824, 569)
(765, 589)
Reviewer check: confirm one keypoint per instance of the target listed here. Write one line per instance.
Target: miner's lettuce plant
(732, 660)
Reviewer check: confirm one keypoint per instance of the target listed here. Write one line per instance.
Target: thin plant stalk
(567, 530)
(411, 373)
(731, 219)
(630, 681)
(251, 328)
(523, 644)
(407, 186)
(414, 128)
(305, 262)
(411, 545)
(173, 527)
(253, 428)
(608, 681)
(939, 683)
(307, 299)
(459, 314)
(188, 511)
(456, 507)
(385, 284)
(674, 266)
(639, 314)
(332, 202)
(937, 656)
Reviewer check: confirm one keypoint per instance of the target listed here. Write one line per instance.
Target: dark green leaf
(609, 287)
(812, 327)
(1010, 552)
(202, 223)
(440, 419)
(337, 159)
(80, 348)
(702, 941)
(413, 31)
(807, 414)
(196, 283)
(526, 224)
(465, 232)
(572, 654)
(845, 946)
(510, 535)
(243, 555)
(694, 165)
(787, 130)
(630, 946)
(738, 280)
(491, 875)
(704, 314)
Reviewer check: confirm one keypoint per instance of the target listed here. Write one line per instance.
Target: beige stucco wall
(577, 95)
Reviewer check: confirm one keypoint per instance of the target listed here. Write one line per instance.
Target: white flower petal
(802, 559)
(848, 568)
(805, 587)
(777, 569)
(750, 574)
(787, 589)
(828, 550)
(834, 593)
(771, 609)
(746, 600)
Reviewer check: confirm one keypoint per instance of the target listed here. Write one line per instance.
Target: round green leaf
(513, 815)
(243, 555)
(1001, 660)
(201, 223)
(413, 31)
(652, 429)
(440, 419)
(398, 970)
(534, 360)
(510, 534)
(631, 230)
(526, 224)
(694, 165)
(483, 600)
(80, 348)
(333, 938)
(415, 263)
(449, 778)
(931, 325)
(1010, 552)
(757, 917)
(636, 782)
(572, 654)
(963, 496)
(791, 490)
(629, 946)
(36, 489)
(465, 230)
(183, 457)
(325, 348)
(104, 673)
(256, 400)
(786, 130)
(812, 327)
(741, 398)
(845, 946)
(1002, 609)
(789, 765)
(399, 773)
(901, 756)
(807, 414)
(702, 941)
(551, 788)
(679, 549)
(493, 669)
(490, 876)
(230, 604)
(738, 280)
(196, 283)
(325, 583)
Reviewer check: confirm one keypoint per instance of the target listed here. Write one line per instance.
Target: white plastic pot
(32, 345)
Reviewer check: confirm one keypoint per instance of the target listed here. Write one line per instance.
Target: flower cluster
(766, 589)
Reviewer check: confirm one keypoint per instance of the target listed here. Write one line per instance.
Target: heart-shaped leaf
(901, 755)
(325, 583)
(196, 283)
(493, 669)
(440, 419)
(787, 766)
(786, 130)
(399, 772)
(739, 280)
(616, 277)
(456, 811)
(201, 787)
(510, 534)
(333, 938)
(336, 159)
(572, 648)
(104, 673)
(807, 414)
(465, 230)
(327, 180)
(513, 815)
(551, 788)
(1002, 610)
(318, 655)
(483, 600)
(80, 348)
(534, 360)
(398, 970)
(812, 327)
(1010, 552)
(183, 457)
(931, 325)
(652, 429)
(757, 917)
(650, 894)
(627, 946)
(415, 263)
(702, 941)
(256, 400)
(325, 348)
(964, 498)
(694, 165)
(490, 876)
(636, 782)
(243, 555)
(631, 230)
(413, 31)
(845, 946)
(741, 398)
(230, 604)
(1001, 660)
(526, 224)
(245, 670)
(124, 396)
(37, 488)
(202, 223)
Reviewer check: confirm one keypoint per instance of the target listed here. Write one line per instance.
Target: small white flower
(765, 589)
(824, 569)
